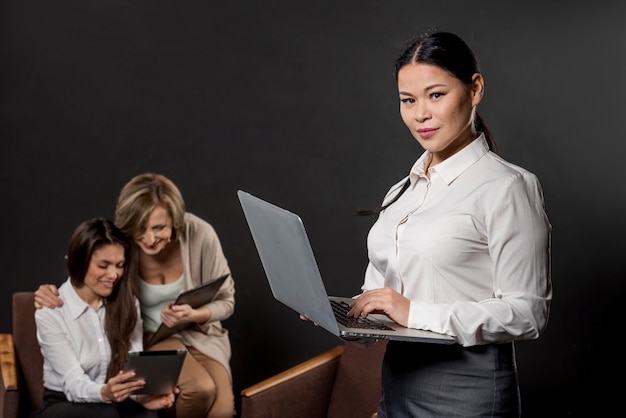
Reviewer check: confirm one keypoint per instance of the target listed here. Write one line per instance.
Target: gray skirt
(434, 380)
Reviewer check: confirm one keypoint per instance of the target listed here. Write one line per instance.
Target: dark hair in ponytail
(449, 52)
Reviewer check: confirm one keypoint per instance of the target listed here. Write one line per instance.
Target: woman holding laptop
(461, 246)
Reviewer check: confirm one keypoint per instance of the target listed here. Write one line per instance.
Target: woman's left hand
(157, 401)
(381, 301)
(173, 315)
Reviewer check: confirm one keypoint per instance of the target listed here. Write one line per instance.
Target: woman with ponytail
(461, 246)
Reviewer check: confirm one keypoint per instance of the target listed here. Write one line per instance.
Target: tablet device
(195, 298)
(160, 369)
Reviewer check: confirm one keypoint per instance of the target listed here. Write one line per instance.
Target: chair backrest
(29, 359)
(356, 391)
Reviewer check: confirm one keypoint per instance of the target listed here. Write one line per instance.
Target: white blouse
(469, 247)
(76, 351)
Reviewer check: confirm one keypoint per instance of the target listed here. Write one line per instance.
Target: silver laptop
(295, 280)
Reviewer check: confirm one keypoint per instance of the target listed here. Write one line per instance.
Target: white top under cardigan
(203, 262)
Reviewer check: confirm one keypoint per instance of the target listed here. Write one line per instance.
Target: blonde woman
(178, 251)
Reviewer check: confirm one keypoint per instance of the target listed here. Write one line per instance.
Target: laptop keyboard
(341, 308)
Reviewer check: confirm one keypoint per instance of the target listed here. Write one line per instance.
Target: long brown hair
(121, 312)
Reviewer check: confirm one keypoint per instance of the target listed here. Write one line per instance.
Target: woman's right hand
(47, 295)
(121, 386)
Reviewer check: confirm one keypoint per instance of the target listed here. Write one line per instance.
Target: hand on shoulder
(47, 295)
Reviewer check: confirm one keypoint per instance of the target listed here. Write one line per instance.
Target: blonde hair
(141, 195)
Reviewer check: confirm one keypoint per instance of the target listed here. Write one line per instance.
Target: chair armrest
(9, 395)
(7, 362)
(301, 391)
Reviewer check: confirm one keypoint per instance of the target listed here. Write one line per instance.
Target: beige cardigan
(204, 261)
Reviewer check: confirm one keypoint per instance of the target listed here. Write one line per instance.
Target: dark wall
(296, 102)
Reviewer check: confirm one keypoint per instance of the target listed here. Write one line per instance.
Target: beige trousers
(205, 387)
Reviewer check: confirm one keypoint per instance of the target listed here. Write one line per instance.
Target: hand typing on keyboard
(381, 301)
(341, 310)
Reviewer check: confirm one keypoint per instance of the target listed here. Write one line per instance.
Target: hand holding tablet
(160, 369)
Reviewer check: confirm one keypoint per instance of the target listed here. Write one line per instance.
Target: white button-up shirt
(469, 247)
(75, 348)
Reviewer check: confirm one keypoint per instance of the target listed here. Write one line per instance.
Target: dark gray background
(296, 102)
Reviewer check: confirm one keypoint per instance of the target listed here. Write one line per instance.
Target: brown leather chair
(21, 386)
(343, 382)
(21, 363)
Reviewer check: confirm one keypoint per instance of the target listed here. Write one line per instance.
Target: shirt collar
(449, 169)
(75, 304)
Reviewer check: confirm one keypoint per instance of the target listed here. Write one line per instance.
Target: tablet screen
(160, 369)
